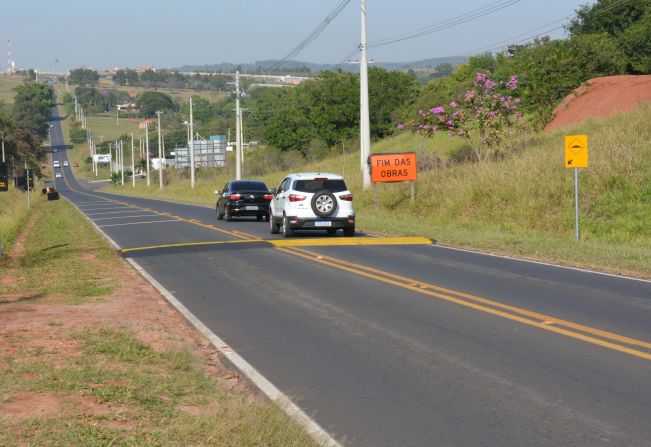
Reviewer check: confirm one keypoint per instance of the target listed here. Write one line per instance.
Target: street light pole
(364, 125)
(133, 165)
(122, 162)
(160, 154)
(238, 133)
(147, 150)
(191, 148)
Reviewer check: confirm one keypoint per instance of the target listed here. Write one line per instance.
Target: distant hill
(315, 68)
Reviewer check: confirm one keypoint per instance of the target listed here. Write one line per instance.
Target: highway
(402, 342)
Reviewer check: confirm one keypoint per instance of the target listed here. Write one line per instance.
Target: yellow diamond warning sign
(576, 151)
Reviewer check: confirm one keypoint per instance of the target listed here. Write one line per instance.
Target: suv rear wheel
(324, 203)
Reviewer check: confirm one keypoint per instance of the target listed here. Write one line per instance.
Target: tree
(635, 42)
(149, 102)
(83, 76)
(482, 116)
(388, 92)
(608, 16)
(32, 107)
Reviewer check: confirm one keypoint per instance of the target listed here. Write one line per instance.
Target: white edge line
(264, 385)
(269, 389)
(512, 258)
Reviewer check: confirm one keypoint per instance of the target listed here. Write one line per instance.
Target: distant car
(57, 175)
(54, 149)
(56, 164)
(65, 163)
(75, 165)
(243, 198)
(311, 201)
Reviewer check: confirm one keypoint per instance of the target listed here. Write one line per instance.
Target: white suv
(312, 201)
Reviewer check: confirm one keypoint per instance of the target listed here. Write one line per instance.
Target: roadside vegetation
(71, 374)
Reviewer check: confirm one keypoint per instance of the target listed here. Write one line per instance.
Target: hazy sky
(167, 33)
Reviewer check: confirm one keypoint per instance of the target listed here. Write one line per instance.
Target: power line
(440, 26)
(449, 23)
(314, 34)
(512, 41)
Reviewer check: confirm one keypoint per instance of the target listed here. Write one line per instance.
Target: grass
(522, 204)
(13, 215)
(148, 398)
(67, 266)
(178, 95)
(109, 387)
(7, 85)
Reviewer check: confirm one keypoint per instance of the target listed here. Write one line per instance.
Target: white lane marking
(268, 388)
(103, 208)
(99, 230)
(139, 223)
(111, 212)
(103, 202)
(511, 258)
(125, 217)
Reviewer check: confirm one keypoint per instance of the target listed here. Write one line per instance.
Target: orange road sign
(399, 167)
(576, 151)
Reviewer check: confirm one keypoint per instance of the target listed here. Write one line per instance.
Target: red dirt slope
(602, 97)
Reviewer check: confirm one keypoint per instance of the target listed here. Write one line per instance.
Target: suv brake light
(321, 179)
(268, 197)
(347, 197)
(235, 197)
(296, 198)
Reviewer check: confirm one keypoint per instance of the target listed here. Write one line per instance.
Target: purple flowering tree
(482, 116)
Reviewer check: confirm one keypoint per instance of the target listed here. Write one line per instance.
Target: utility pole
(364, 125)
(133, 165)
(147, 149)
(122, 162)
(191, 148)
(27, 181)
(160, 153)
(238, 133)
(2, 135)
(117, 116)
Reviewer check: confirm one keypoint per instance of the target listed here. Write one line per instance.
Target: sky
(65, 34)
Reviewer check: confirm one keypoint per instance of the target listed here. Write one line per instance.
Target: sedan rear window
(317, 185)
(249, 186)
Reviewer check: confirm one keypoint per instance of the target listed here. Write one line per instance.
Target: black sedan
(243, 198)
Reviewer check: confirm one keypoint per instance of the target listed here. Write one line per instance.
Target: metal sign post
(576, 156)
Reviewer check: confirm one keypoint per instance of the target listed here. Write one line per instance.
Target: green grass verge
(13, 215)
(65, 260)
(145, 398)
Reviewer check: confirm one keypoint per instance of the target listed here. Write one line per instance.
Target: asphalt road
(404, 345)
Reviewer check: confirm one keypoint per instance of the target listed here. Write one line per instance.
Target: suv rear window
(249, 186)
(317, 185)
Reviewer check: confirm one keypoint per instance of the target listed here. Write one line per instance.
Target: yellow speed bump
(315, 242)
(341, 241)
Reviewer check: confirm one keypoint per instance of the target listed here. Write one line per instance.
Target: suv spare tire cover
(324, 203)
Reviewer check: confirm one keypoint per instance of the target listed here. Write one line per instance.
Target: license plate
(322, 223)
(251, 208)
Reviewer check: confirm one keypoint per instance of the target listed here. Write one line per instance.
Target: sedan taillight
(268, 197)
(235, 197)
(296, 198)
(347, 197)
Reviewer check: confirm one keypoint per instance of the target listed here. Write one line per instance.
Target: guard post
(576, 156)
